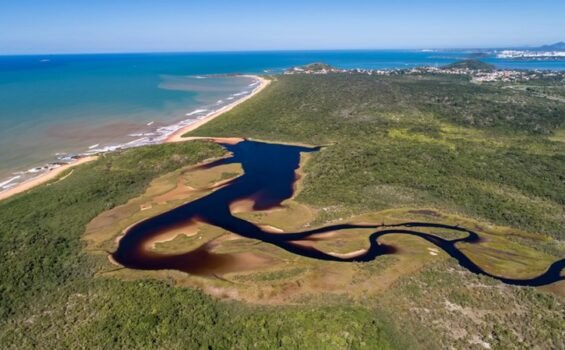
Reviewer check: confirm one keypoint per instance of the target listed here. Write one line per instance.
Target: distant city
(541, 53)
(547, 52)
(475, 70)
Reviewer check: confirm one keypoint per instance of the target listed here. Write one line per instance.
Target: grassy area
(464, 311)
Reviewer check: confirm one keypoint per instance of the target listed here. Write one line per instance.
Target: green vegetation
(50, 297)
(466, 311)
(487, 152)
(412, 141)
(471, 65)
(316, 67)
(41, 231)
(111, 314)
(483, 151)
(271, 276)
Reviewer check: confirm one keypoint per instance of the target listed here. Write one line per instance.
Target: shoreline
(176, 136)
(43, 178)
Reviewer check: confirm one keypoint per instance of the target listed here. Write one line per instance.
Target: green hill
(317, 66)
(560, 46)
(471, 65)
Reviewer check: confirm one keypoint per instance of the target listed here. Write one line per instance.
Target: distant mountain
(560, 46)
(471, 65)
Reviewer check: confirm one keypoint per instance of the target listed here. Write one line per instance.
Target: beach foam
(5, 184)
(157, 136)
(242, 93)
(197, 111)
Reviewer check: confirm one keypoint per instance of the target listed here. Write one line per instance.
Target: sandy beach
(175, 137)
(43, 178)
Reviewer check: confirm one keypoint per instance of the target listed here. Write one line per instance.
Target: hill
(560, 46)
(314, 68)
(471, 65)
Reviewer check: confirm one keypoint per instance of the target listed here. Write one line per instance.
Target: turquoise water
(72, 103)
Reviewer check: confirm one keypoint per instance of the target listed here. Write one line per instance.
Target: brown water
(268, 180)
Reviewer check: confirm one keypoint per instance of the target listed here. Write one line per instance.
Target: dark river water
(268, 180)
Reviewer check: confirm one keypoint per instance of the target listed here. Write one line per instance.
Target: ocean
(55, 106)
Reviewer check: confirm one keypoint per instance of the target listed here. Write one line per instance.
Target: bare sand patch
(349, 255)
(189, 229)
(242, 206)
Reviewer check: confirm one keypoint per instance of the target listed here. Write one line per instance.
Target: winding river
(268, 179)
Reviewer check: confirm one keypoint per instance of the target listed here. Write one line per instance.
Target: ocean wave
(10, 180)
(8, 186)
(141, 134)
(197, 111)
(141, 139)
(35, 170)
(241, 93)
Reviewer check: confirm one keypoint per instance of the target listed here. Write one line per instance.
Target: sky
(88, 26)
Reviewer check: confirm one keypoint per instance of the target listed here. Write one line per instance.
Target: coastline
(43, 178)
(176, 136)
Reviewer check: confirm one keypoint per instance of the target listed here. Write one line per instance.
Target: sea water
(56, 106)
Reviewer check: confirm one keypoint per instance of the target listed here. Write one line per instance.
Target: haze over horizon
(105, 26)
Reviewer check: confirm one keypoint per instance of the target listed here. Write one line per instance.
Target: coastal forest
(427, 147)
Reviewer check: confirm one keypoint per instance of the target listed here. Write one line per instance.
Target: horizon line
(135, 52)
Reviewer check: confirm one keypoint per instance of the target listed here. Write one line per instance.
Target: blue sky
(64, 26)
